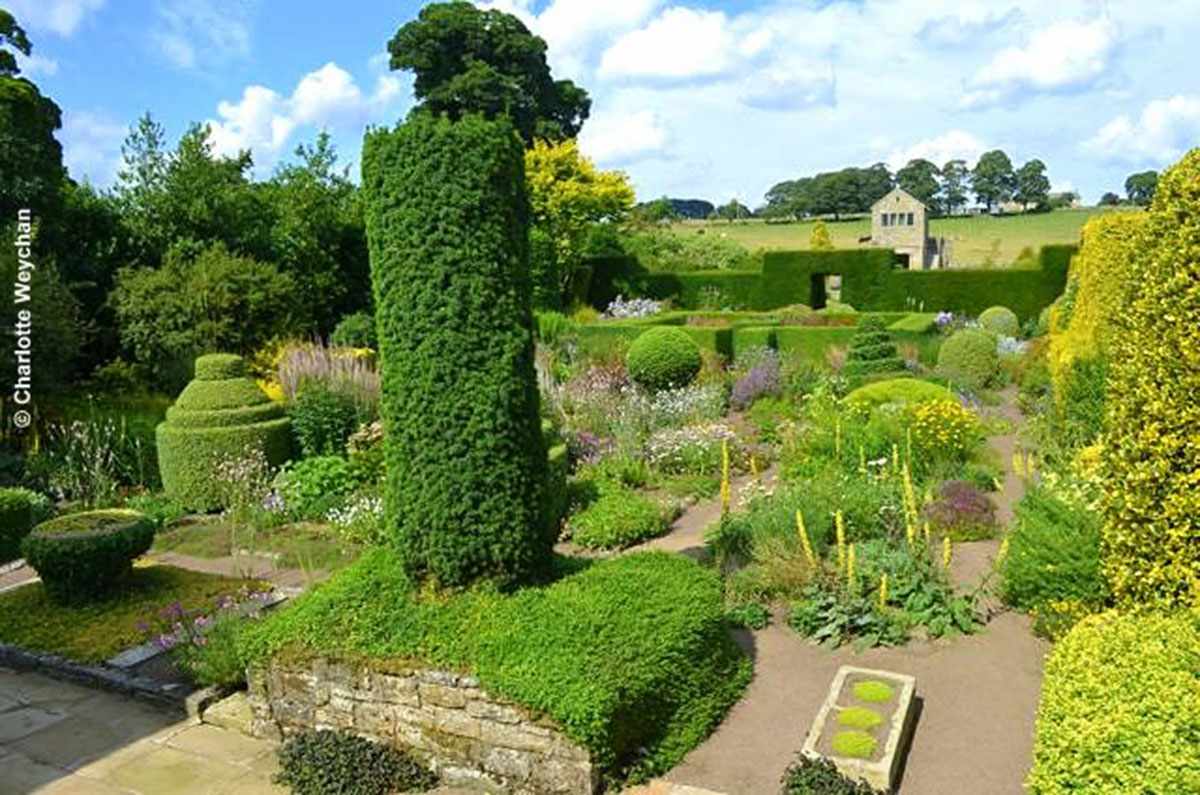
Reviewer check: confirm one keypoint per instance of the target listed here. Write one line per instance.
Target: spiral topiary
(220, 416)
(81, 557)
(969, 358)
(663, 357)
(1000, 320)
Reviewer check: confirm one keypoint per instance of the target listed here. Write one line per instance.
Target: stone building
(900, 221)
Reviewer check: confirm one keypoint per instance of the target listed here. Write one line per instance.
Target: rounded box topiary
(81, 557)
(663, 357)
(969, 358)
(1000, 320)
(220, 416)
(16, 520)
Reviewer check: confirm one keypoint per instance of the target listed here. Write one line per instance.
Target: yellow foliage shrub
(1151, 460)
(1120, 706)
(943, 427)
(1101, 275)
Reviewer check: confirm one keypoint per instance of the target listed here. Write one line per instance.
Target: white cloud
(682, 44)
(789, 88)
(967, 26)
(58, 16)
(194, 34)
(951, 145)
(263, 120)
(91, 143)
(1064, 57)
(1165, 130)
(33, 65)
(624, 137)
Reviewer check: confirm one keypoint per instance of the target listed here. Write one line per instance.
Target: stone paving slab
(59, 738)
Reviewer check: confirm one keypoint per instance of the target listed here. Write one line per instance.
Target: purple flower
(202, 621)
(261, 596)
(761, 381)
(273, 503)
(166, 641)
(586, 447)
(945, 318)
(200, 640)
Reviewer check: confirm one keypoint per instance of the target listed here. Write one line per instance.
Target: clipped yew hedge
(221, 416)
(447, 226)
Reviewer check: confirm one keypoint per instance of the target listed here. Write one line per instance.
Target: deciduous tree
(955, 182)
(992, 179)
(1140, 187)
(920, 178)
(1033, 186)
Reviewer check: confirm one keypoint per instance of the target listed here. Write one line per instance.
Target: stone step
(232, 713)
(663, 787)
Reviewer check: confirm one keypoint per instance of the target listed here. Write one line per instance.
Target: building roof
(905, 194)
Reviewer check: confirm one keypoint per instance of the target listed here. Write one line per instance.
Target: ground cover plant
(326, 761)
(601, 651)
(96, 631)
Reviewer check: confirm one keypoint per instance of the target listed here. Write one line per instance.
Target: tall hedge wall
(870, 281)
(447, 227)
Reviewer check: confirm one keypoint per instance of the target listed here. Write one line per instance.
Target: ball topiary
(355, 331)
(220, 416)
(1000, 320)
(16, 519)
(81, 556)
(896, 391)
(969, 358)
(663, 357)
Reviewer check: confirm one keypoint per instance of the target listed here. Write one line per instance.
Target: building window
(910, 219)
(884, 216)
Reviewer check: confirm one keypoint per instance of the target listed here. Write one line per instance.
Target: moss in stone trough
(874, 691)
(859, 718)
(854, 744)
(629, 656)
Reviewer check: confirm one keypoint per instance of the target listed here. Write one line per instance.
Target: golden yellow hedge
(1100, 274)
(1151, 465)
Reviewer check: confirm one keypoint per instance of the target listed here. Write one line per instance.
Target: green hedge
(214, 422)
(81, 557)
(16, 520)
(628, 656)
(447, 222)
(870, 281)
(1120, 709)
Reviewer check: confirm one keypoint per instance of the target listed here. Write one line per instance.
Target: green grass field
(978, 240)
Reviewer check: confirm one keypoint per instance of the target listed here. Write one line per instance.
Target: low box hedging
(629, 656)
(16, 520)
(727, 289)
(1120, 708)
(220, 416)
(81, 557)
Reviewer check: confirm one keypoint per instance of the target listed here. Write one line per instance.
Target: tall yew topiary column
(447, 226)
(1152, 428)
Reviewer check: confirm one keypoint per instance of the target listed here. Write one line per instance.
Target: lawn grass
(304, 545)
(98, 631)
(978, 240)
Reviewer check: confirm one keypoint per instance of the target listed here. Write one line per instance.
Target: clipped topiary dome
(1000, 320)
(663, 357)
(969, 358)
(220, 416)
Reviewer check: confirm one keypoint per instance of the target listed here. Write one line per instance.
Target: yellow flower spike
(862, 460)
(753, 465)
(804, 542)
(895, 459)
(1018, 464)
(1003, 553)
(851, 569)
(837, 436)
(927, 535)
(840, 524)
(947, 552)
(726, 484)
(883, 590)
(1030, 465)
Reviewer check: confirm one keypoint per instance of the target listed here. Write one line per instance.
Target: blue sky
(693, 98)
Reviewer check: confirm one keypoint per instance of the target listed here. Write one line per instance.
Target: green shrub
(618, 519)
(1120, 708)
(447, 225)
(81, 557)
(158, 508)
(663, 357)
(1053, 554)
(16, 520)
(311, 486)
(555, 495)
(220, 367)
(213, 422)
(552, 326)
(1151, 503)
(355, 331)
(872, 351)
(809, 776)
(1001, 321)
(896, 391)
(322, 420)
(629, 656)
(969, 358)
(323, 762)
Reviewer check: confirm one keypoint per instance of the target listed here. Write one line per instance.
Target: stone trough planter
(865, 725)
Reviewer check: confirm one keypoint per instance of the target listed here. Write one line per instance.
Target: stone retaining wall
(469, 737)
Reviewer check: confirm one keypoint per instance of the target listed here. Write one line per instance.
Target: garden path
(978, 695)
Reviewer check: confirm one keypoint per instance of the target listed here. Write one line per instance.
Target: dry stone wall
(469, 737)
